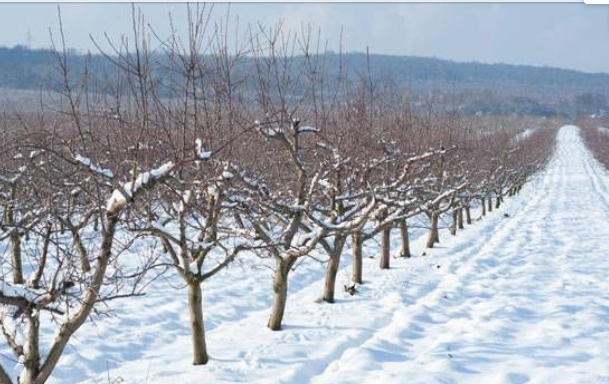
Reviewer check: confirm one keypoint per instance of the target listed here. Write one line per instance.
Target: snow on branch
(267, 129)
(120, 197)
(24, 297)
(306, 129)
(85, 161)
(9, 180)
(273, 128)
(202, 154)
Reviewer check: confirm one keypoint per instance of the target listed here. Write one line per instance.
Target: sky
(574, 36)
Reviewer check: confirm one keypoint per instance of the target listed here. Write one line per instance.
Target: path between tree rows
(519, 297)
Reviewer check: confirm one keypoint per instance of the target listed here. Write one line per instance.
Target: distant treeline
(473, 88)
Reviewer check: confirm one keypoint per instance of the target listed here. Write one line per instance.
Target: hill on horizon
(486, 87)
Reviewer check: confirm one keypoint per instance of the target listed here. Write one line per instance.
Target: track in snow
(531, 305)
(518, 299)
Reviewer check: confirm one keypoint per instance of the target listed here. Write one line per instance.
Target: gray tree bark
(197, 327)
(357, 272)
(84, 260)
(332, 269)
(16, 256)
(385, 248)
(453, 224)
(67, 329)
(460, 218)
(280, 292)
(4, 378)
(403, 225)
(434, 236)
(31, 364)
(15, 240)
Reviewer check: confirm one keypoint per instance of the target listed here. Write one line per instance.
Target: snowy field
(520, 297)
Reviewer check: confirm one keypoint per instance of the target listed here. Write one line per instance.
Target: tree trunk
(385, 248)
(453, 224)
(66, 330)
(4, 377)
(468, 215)
(490, 204)
(197, 327)
(403, 225)
(436, 231)
(434, 237)
(84, 260)
(483, 207)
(280, 293)
(31, 365)
(498, 202)
(17, 263)
(28, 376)
(460, 218)
(357, 259)
(332, 269)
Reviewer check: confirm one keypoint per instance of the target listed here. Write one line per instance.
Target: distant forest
(473, 88)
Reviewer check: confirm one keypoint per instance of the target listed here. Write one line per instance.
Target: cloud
(564, 35)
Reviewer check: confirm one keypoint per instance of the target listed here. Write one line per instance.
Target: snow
(94, 168)
(118, 199)
(186, 198)
(201, 152)
(226, 175)
(603, 130)
(19, 291)
(35, 153)
(516, 299)
(307, 129)
(525, 134)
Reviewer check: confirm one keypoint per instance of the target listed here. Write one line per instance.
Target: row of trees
(191, 161)
(596, 136)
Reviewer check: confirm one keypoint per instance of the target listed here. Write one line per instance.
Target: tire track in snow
(432, 357)
(494, 232)
(457, 249)
(379, 302)
(482, 306)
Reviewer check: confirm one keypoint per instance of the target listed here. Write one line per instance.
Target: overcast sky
(562, 35)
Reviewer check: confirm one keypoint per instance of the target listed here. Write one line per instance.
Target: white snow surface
(516, 299)
(525, 134)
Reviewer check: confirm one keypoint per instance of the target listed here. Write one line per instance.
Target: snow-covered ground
(519, 297)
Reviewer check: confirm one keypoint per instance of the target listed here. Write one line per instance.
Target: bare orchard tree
(85, 165)
(279, 217)
(339, 209)
(281, 193)
(191, 214)
(192, 217)
(69, 274)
